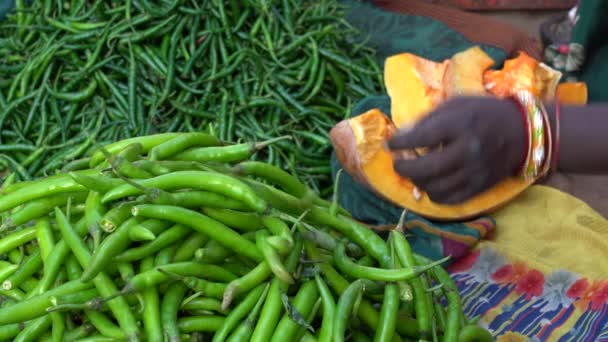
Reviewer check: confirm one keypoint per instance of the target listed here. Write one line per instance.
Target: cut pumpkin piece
(523, 73)
(359, 145)
(414, 85)
(572, 93)
(464, 74)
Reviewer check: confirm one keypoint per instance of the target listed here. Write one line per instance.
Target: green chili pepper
(366, 312)
(238, 220)
(203, 224)
(388, 314)
(202, 304)
(115, 217)
(165, 239)
(103, 283)
(16, 239)
(29, 266)
(154, 276)
(188, 248)
(473, 333)
(36, 306)
(345, 306)
(272, 258)
(165, 256)
(213, 252)
(256, 276)
(147, 143)
(140, 233)
(452, 327)
(181, 143)
(353, 269)
(7, 269)
(34, 329)
(169, 307)
(9, 331)
(99, 184)
(55, 260)
(39, 189)
(230, 153)
(244, 331)
(303, 304)
(329, 311)
(404, 253)
(77, 96)
(37, 208)
(111, 246)
(205, 323)
(240, 311)
(202, 180)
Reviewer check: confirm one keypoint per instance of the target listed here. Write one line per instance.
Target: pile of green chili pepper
(179, 237)
(242, 70)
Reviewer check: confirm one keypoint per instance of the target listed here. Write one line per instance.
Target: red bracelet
(549, 145)
(527, 127)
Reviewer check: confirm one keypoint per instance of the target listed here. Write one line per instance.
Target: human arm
(483, 141)
(583, 138)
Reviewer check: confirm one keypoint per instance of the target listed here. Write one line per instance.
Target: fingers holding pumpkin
(480, 140)
(440, 127)
(435, 164)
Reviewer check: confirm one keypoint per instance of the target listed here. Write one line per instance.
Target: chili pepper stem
(401, 224)
(171, 274)
(333, 209)
(66, 307)
(435, 288)
(231, 290)
(263, 144)
(6, 225)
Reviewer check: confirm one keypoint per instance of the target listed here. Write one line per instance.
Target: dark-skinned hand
(482, 141)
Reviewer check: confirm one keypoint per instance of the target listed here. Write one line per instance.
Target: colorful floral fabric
(521, 303)
(541, 275)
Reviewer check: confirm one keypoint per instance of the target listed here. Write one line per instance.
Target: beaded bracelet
(539, 137)
(527, 135)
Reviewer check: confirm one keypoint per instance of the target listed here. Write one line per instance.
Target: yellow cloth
(550, 229)
(543, 275)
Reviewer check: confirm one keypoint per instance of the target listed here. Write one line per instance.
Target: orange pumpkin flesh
(464, 74)
(522, 73)
(572, 93)
(416, 86)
